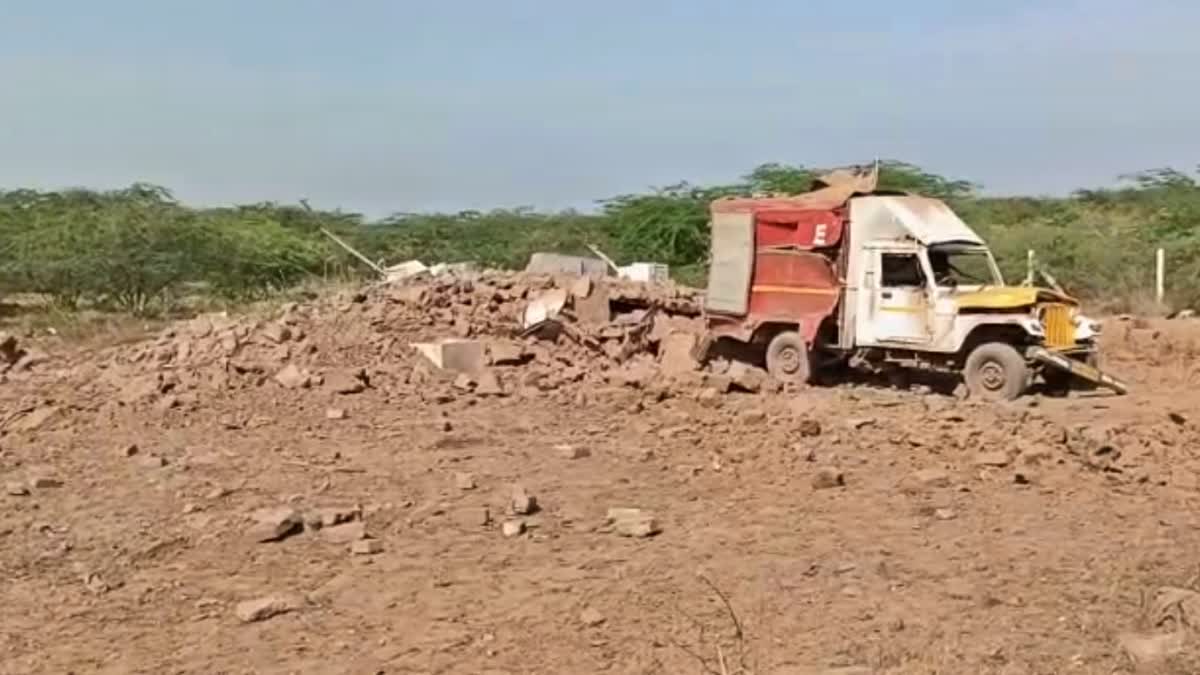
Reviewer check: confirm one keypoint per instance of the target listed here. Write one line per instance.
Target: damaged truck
(848, 275)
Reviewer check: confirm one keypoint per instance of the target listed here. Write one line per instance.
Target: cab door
(901, 302)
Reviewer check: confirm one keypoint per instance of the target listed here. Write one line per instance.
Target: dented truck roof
(899, 217)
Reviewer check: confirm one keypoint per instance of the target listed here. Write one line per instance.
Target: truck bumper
(1062, 361)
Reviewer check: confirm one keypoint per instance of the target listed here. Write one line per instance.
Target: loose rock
(344, 533)
(513, 528)
(633, 522)
(996, 458)
(346, 382)
(464, 481)
(928, 478)
(523, 503)
(572, 452)
(16, 490)
(827, 478)
(274, 524)
(262, 609)
(366, 547)
(591, 617)
(488, 384)
(335, 414)
(292, 377)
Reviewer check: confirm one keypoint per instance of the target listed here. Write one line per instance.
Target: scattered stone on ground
(591, 617)
(629, 522)
(274, 524)
(513, 528)
(366, 547)
(828, 477)
(523, 503)
(572, 451)
(261, 609)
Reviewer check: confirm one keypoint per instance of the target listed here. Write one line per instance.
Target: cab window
(901, 270)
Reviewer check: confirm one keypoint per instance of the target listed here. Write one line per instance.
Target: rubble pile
(488, 333)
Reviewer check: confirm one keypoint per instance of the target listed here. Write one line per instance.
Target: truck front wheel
(996, 371)
(787, 358)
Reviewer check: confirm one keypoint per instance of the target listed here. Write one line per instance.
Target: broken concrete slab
(506, 353)
(676, 354)
(544, 307)
(557, 263)
(406, 270)
(488, 384)
(454, 355)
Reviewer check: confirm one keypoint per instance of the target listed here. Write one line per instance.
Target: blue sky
(382, 106)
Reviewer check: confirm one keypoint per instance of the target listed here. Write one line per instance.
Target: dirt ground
(848, 529)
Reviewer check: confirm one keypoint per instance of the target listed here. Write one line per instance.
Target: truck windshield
(962, 267)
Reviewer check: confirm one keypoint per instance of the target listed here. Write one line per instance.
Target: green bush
(138, 249)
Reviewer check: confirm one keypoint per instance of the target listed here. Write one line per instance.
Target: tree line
(140, 250)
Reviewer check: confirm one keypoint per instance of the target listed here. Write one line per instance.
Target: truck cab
(885, 280)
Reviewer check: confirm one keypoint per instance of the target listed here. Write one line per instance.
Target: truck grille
(1060, 330)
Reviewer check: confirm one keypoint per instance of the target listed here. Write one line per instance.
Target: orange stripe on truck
(796, 290)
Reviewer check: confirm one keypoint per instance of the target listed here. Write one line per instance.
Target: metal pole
(1159, 273)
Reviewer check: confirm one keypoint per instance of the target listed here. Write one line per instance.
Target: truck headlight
(1085, 328)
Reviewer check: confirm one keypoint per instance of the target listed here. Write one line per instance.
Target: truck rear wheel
(788, 358)
(996, 371)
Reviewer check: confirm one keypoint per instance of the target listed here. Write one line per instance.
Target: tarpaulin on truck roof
(830, 191)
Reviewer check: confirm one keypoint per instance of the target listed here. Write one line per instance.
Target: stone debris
(292, 377)
(997, 459)
(572, 452)
(335, 414)
(275, 524)
(513, 528)
(453, 355)
(276, 333)
(591, 617)
(927, 478)
(344, 533)
(45, 482)
(488, 384)
(506, 353)
(474, 517)
(261, 609)
(10, 350)
(1146, 649)
(464, 481)
(522, 503)
(366, 547)
(629, 522)
(808, 428)
(827, 478)
(16, 489)
(347, 382)
(331, 515)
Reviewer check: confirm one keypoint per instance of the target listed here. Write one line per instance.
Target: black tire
(788, 358)
(996, 371)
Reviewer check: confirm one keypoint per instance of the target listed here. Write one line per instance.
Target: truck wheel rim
(789, 360)
(991, 376)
